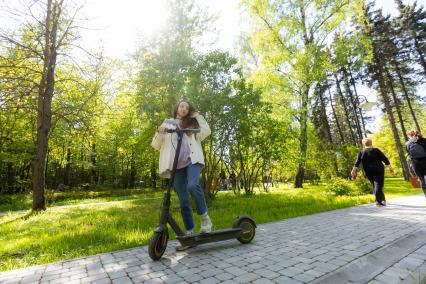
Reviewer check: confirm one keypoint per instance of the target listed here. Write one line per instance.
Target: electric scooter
(243, 229)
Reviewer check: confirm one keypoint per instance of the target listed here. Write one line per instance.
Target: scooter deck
(213, 236)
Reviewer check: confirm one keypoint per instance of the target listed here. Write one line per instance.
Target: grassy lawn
(64, 233)
(23, 201)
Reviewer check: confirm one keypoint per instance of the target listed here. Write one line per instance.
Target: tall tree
(289, 35)
(48, 30)
(412, 20)
(374, 25)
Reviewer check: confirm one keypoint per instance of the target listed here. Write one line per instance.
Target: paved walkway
(364, 244)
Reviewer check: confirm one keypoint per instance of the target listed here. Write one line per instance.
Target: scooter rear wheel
(158, 244)
(248, 229)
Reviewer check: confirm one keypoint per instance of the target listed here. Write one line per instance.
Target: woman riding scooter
(190, 163)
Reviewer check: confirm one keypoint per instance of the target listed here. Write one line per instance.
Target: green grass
(23, 201)
(65, 233)
(395, 187)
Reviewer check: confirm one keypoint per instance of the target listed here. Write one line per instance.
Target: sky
(118, 26)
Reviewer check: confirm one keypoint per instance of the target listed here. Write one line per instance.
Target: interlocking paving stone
(153, 281)
(304, 277)
(193, 278)
(116, 274)
(229, 282)
(172, 279)
(210, 280)
(291, 271)
(101, 281)
(225, 276)
(285, 280)
(298, 250)
(263, 281)
(247, 278)
(235, 271)
(122, 280)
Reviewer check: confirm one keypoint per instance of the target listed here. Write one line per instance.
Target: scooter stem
(166, 202)
(175, 162)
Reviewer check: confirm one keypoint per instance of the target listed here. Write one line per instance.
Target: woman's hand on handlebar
(161, 130)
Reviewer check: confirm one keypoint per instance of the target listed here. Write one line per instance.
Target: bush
(341, 186)
(22, 185)
(4, 200)
(364, 186)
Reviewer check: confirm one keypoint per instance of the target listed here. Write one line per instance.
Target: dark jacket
(421, 142)
(371, 158)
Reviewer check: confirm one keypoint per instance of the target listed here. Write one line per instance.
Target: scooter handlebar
(182, 130)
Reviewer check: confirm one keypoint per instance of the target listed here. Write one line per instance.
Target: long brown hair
(414, 134)
(187, 121)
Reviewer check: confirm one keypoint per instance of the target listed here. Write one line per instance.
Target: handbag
(415, 182)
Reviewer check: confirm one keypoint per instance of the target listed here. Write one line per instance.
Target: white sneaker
(206, 224)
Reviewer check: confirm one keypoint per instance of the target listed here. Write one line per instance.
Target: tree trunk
(342, 99)
(300, 175)
(44, 107)
(330, 137)
(324, 117)
(132, 171)
(419, 51)
(46, 167)
(10, 178)
(354, 105)
(153, 175)
(391, 118)
(67, 173)
(352, 81)
(396, 100)
(336, 119)
(405, 92)
(39, 162)
(93, 176)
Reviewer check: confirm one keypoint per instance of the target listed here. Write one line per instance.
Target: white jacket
(167, 143)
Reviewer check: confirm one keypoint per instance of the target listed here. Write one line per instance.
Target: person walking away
(190, 162)
(372, 160)
(233, 180)
(222, 180)
(416, 148)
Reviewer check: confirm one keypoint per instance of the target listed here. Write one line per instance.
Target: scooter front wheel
(158, 244)
(248, 227)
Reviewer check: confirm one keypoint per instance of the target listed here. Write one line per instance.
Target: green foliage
(5, 199)
(270, 117)
(341, 186)
(287, 38)
(363, 185)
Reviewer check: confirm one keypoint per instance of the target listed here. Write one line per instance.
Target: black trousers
(419, 167)
(377, 178)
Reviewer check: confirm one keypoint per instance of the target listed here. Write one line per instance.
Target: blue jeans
(187, 182)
